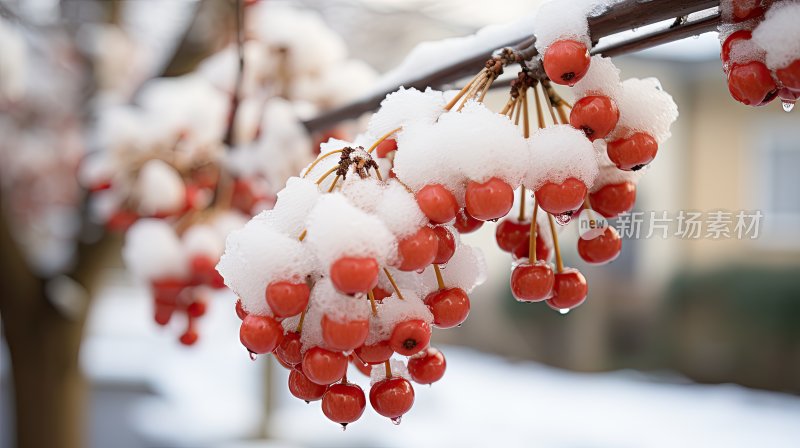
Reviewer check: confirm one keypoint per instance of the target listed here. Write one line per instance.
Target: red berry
(465, 223)
(569, 290)
(385, 147)
(789, 76)
(752, 84)
(364, 368)
(510, 233)
(121, 220)
(613, 199)
(450, 307)
(376, 353)
(532, 282)
(196, 308)
(288, 352)
(379, 293)
(303, 388)
(344, 335)
(634, 152)
(204, 270)
(260, 334)
(601, 249)
(427, 367)
(240, 310)
(730, 41)
(166, 290)
(344, 403)
(561, 198)
(352, 275)
(543, 251)
(287, 299)
(489, 200)
(392, 397)
(163, 313)
(596, 116)
(744, 10)
(324, 366)
(418, 250)
(189, 337)
(437, 203)
(410, 336)
(446, 245)
(566, 62)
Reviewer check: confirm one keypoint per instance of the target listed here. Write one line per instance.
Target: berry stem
(388, 367)
(299, 328)
(486, 88)
(303, 235)
(333, 184)
(526, 121)
(508, 105)
(549, 104)
(559, 261)
(521, 216)
(394, 284)
(464, 90)
(532, 238)
(320, 159)
(539, 113)
(473, 91)
(372, 303)
(327, 173)
(381, 139)
(439, 278)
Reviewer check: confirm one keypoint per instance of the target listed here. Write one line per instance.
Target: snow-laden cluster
(779, 34)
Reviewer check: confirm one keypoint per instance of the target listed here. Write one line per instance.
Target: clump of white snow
(153, 251)
(159, 188)
(645, 107)
(557, 153)
(779, 34)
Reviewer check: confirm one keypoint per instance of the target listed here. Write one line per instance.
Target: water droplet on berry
(253, 356)
(396, 420)
(563, 218)
(344, 426)
(564, 310)
(787, 105)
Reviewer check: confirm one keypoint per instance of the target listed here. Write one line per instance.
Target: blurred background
(682, 342)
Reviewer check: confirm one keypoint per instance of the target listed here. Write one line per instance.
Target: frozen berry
(613, 199)
(344, 403)
(385, 147)
(752, 84)
(730, 41)
(789, 76)
(437, 203)
(465, 223)
(564, 197)
(566, 62)
(596, 116)
(287, 299)
(601, 249)
(392, 397)
(410, 336)
(446, 245)
(633, 152)
(532, 282)
(569, 290)
(303, 388)
(260, 334)
(289, 349)
(489, 200)
(418, 250)
(543, 251)
(344, 335)
(450, 307)
(376, 353)
(427, 367)
(510, 233)
(324, 366)
(352, 275)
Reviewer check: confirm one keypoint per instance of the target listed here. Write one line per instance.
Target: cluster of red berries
(750, 80)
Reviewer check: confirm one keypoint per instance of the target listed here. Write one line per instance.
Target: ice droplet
(396, 420)
(253, 356)
(563, 218)
(564, 310)
(787, 105)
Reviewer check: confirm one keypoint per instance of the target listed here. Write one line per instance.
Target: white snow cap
(392, 311)
(645, 107)
(601, 79)
(292, 207)
(338, 307)
(558, 19)
(160, 188)
(153, 251)
(406, 106)
(557, 153)
(399, 211)
(337, 228)
(466, 270)
(779, 34)
(257, 255)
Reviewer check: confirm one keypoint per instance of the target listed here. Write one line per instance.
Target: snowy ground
(213, 396)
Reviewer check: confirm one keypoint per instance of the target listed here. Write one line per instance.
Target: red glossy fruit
(303, 388)
(289, 349)
(569, 290)
(410, 336)
(196, 308)
(596, 116)
(634, 152)
(543, 252)
(437, 203)
(324, 366)
(561, 198)
(379, 293)
(789, 76)
(613, 199)
(752, 84)
(730, 41)
(344, 403)
(532, 282)
(602, 249)
(240, 310)
(392, 397)
(163, 313)
(352, 275)
(344, 335)
(287, 299)
(450, 307)
(418, 250)
(465, 223)
(204, 270)
(427, 367)
(167, 289)
(446, 245)
(364, 368)
(489, 200)
(744, 10)
(566, 62)
(376, 353)
(510, 233)
(385, 147)
(260, 334)
(189, 337)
